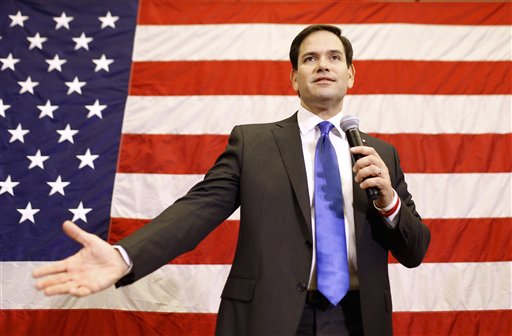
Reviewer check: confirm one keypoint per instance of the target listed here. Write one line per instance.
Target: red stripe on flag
(420, 153)
(169, 154)
(432, 77)
(373, 77)
(115, 322)
(217, 248)
(453, 153)
(481, 322)
(472, 237)
(211, 78)
(471, 234)
(172, 12)
(84, 322)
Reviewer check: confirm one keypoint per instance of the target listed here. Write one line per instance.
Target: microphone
(349, 124)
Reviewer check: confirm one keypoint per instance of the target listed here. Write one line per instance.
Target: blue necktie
(331, 245)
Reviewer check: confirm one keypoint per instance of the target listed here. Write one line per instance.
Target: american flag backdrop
(111, 110)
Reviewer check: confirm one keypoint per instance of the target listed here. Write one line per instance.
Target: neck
(324, 112)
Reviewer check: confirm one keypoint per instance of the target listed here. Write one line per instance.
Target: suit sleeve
(409, 241)
(180, 227)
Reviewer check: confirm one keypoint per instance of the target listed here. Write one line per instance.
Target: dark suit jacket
(262, 170)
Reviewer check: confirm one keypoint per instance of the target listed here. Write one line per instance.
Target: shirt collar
(308, 120)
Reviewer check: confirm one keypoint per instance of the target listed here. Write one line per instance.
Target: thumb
(76, 233)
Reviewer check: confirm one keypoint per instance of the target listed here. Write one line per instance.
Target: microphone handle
(354, 140)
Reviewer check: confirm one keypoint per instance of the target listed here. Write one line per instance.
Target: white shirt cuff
(392, 219)
(125, 257)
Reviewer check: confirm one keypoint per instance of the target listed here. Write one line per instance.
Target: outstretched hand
(95, 267)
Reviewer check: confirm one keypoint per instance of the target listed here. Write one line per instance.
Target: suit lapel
(287, 137)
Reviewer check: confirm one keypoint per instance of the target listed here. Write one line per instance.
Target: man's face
(322, 76)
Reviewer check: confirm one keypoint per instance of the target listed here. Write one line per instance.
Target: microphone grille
(349, 122)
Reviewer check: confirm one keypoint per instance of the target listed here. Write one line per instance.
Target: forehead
(321, 41)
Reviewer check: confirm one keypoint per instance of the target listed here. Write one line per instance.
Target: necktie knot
(325, 127)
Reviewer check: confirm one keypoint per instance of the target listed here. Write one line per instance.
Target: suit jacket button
(302, 286)
(407, 232)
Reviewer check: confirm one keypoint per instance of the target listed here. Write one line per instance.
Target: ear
(351, 76)
(293, 79)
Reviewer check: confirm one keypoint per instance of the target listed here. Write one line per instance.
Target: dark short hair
(297, 41)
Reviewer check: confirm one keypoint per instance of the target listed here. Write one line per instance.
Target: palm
(95, 267)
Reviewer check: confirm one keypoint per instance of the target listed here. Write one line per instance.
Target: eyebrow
(332, 51)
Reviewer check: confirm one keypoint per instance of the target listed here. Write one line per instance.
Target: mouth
(323, 80)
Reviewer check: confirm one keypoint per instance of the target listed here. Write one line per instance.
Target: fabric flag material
(111, 110)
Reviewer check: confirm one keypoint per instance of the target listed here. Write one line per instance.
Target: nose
(323, 64)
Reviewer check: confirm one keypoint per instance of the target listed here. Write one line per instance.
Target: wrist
(391, 208)
(125, 258)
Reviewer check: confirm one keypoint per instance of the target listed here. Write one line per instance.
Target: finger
(76, 233)
(70, 287)
(372, 182)
(367, 161)
(364, 150)
(80, 291)
(368, 172)
(52, 280)
(51, 268)
(62, 284)
(385, 190)
(378, 182)
(60, 288)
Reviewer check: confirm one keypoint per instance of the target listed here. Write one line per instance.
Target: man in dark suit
(269, 171)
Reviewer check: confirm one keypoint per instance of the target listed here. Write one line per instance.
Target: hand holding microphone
(369, 165)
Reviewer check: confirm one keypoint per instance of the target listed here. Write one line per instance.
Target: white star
(37, 160)
(8, 62)
(102, 63)
(8, 186)
(3, 108)
(17, 19)
(108, 20)
(80, 212)
(36, 41)
(87, 159)
(55, 63)
(28, 86)
(18, 134)
(58, 186)
(28, 213)
(82, 41)
(62, 21)
(67, 134)
(75, 86)
(47, 109)
(95, 109)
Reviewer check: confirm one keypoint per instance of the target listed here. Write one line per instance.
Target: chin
(328, 96)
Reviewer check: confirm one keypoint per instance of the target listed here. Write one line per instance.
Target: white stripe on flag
(468, 195)
(370, 41)
(451, 286)
(427, 114)
(144, 196)
(197, 288)
(172, 288)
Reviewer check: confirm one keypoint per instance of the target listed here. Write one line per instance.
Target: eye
(309, 59)
(336, 57)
